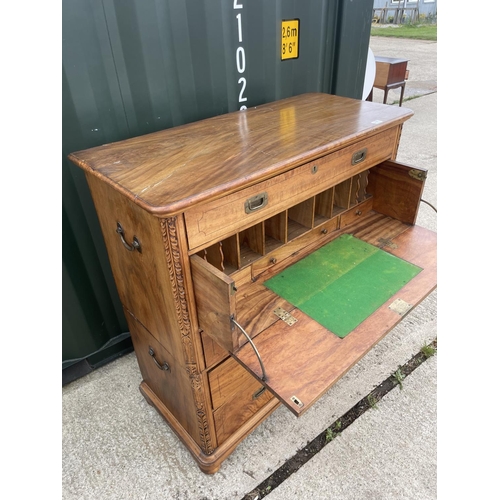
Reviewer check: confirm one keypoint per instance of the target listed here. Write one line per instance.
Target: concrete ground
(115, 446)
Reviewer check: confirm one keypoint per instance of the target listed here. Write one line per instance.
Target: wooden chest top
(168, 171)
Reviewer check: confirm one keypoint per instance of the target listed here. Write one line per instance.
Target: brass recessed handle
(136, 244)
(256, 203)
(358, 156)
(165, 366)
(259, 392)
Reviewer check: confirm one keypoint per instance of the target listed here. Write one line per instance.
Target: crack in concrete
(305, 454)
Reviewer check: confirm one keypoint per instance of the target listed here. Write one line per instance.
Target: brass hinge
(387, 242)
(285, 316)
(400, 307)
(420, 175)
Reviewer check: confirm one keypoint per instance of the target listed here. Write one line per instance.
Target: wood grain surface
(219, 218)
(172, 386)
(395, 192)
(215, 301)
(167, 171)
(304, 360)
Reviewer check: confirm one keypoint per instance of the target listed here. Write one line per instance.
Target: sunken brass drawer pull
(136, 244)
(256, 203)
(359, 156)
(259, 392)
(165, 366)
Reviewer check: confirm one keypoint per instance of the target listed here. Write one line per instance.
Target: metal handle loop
(264, 376)
(165, 366)
(136, 244)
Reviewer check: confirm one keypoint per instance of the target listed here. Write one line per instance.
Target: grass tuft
(332, 432)
(428, 351)
(372, 401)
(399, 376)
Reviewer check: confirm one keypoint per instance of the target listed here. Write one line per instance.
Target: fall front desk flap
(342, 283)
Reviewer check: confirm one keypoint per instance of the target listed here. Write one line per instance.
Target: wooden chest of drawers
(197, 218)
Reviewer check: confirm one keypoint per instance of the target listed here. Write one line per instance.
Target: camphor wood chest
(198, 218)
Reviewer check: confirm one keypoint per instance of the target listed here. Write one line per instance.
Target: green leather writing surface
(342, 283)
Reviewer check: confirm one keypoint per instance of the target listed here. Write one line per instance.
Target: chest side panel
(142, 276)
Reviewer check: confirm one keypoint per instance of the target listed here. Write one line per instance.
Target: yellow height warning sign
(289, 39)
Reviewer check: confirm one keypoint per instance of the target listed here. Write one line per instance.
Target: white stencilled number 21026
(240, 56)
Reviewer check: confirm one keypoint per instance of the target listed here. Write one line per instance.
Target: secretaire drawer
(222, 217)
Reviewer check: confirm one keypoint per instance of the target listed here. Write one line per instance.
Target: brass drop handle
(165, 366)
(136, 244)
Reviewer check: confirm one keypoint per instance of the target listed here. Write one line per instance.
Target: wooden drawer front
(212, 351)
(356, 213)
(226, 380)
(172, 385)
(294, 247)
(237, 396)
(221, 218)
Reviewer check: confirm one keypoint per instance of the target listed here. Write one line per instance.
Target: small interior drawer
(215, 220)
(236, 396)
(356, 213)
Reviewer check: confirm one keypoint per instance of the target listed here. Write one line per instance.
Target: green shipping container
(131, 67)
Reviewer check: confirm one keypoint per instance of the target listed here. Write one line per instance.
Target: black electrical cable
(109, 343)
(432, 206)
